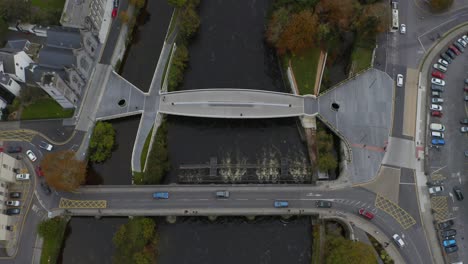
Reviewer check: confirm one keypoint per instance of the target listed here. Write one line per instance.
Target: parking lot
(447, 163)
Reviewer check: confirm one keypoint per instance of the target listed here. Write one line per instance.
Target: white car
(13, 203)
(398, 240)
(463, 129)
(403, 29)
(31, 155)
(465, 38)
(436, 189)
(443, 62)
(22, 177)
(437, 100)
(438, 81)
(45, 145)
(435, 107)
(399, 81)
(462, 42)
(440, 67)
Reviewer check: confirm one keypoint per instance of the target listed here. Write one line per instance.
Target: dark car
(14, 149)
(451, 54)
(438, 88)
(464, 121)
(446, 224)
(448, 233)
(446, 57)
(459, 47)
(13, 211)
(449, 250)
(15, 195)
(458, 193)
(323, 204)
(45, 188)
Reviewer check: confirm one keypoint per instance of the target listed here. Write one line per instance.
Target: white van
(437, 134)
(437, 127)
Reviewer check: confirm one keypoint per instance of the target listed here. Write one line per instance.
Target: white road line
(408, 183)
(261, 199)
(241, 199)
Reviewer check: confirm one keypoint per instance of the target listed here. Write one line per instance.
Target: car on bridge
(323, 204)
(281, 204)
(366, 213)
(161, 195)
(222, 194)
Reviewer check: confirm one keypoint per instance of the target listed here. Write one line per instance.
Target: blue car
(161, 195)
(450, 242)
(438, 141)
(281, 204)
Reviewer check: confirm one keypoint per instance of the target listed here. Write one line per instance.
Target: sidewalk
(422, 150)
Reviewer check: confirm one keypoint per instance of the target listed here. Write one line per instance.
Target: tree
(341, 250)
(102, 142)
(138, 3)
(124, 17)
(326, 162)
(340, 14)
(299, 33)
(440, 5)
(372, 20)
(178, 65)
(51, 227)
(63, 171)
(276, 25)
(177, 3)
(189, 21)
(14, 10)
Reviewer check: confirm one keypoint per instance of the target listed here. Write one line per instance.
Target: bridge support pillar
(250, 217)
(212, 217)
(171, 219)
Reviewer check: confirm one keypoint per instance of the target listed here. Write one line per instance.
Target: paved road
(113, 35)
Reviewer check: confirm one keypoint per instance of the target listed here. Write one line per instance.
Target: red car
(438, 74)
(115, 10)
(436, 113)
(366, 213)
(466, 88)
(39, 171)
(452, 48)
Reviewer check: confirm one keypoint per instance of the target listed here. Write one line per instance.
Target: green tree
(440, 5)
(63, 171)
(102, 142)
(178, 66)
(189, 21)
(14, 10)
(177, 3)
(138, 3)
(326, 162)
(142, 258)
(276, 25)
(324, 142)
(158, 164)
(51, 227)
(340, 250)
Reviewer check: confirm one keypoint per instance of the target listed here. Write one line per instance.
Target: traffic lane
(53, 129)
(112, 37)
(399, 103)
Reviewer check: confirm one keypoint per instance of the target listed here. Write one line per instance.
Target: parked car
(281, 204)
(366, 213)
(466, 81)
(436, 113)
(115, 8)
(435, 107)
(323, 204)
(465, 38)
(458, 193)
(464, 121)
(437, 88)
(13, 211)
(438, 81)
(462, 42)
(443, 61)
(436, 94)
(403, 29)
(436, 189)
(400, 80)
(446, 57)
(46, 146)
(14, 203)
(22, 177)
(31, 155)
(454, 50)
(466, 88)
(437, 127)
(222, 194)
(15, 195)
(46, 188)
(452, 249)
(39, 171)
(448, 233)
(161, 195)
(466, 97)
(437, 134)
(438, 74)
(14, 149)
(446, 224)
(463, 129)
(449, 242)
(438, 142)
(451, 54)
(398, 240)
(439, 67)
(437, 100)
(459, 47)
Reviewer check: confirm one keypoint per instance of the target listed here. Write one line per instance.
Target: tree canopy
(440, 5)
(63, 171)
(102, 142)
(299, 33)
(340, 250)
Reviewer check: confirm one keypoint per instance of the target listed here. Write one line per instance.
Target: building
(14, 62)
(8, 168)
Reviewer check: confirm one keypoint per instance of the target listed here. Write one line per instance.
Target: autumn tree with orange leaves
(299, 33)
(63, 171)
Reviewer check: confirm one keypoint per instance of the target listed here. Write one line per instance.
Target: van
(437, 127)
(437, 134)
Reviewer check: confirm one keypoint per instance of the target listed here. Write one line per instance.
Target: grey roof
(67, 38)
(16, 44)
(8, 59)
(56, 57)
(34, 73)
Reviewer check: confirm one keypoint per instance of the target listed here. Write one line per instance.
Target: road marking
(241, 199)
(261, 199)
(394, 210)
(203, 199)
(408, 183)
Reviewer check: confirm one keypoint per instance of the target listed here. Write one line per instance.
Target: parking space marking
(398, 213)
(440, 208)
(438, 177)
(80, 204)
(17, 135)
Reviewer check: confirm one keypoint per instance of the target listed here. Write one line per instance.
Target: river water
(228, 52)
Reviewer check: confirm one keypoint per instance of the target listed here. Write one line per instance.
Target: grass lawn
(304, 66)
(144, 151)
(362, 58)
(45, 108)
(53, 244)
(48, 4)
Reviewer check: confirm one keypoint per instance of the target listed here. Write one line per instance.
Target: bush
(440, 5)
(52, 231)
(158, 160)
(177, 68)
(102, 142)
(189, 21)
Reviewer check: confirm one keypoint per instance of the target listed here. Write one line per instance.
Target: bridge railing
(345, 80)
